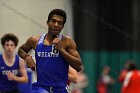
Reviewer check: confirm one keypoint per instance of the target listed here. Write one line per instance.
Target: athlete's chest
(44, 51)
(5, 69)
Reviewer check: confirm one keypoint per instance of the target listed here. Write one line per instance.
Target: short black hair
(132, 66)
(59, 12)
(9, 36)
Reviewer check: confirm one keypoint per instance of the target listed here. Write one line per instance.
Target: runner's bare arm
(25, 48)
(70, 53)
(72, 75)
(23, 78)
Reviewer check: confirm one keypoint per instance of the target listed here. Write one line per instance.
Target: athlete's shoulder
(34, 38)
(67, 38)
(70, 39)
(32, 41)
(69, 42)
(21, 61)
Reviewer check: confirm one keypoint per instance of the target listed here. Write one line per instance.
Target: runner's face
(55, 25)
(9, 47)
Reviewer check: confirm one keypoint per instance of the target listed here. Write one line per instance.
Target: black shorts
(10, 91)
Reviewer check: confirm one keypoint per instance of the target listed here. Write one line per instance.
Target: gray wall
(28, 17)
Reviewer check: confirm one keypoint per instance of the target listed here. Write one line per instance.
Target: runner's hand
(10, 76)
(30, 62)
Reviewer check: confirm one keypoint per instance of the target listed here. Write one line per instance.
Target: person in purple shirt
(12, 68)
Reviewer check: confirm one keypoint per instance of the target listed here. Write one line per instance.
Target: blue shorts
(39, 89)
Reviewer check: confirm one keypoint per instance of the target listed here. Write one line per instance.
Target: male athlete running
(54, 53)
